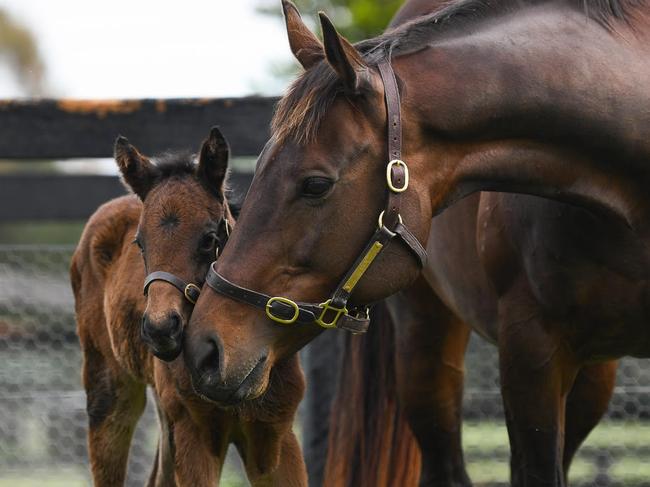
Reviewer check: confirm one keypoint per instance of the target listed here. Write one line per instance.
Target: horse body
(107, 274)
(587, 270)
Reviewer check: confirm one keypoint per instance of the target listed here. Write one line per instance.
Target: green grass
(487, 452)
(51, 478)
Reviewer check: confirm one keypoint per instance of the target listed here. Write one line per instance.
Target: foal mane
(174, 165)
(299, 113)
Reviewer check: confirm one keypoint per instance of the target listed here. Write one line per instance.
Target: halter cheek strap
(334, 312)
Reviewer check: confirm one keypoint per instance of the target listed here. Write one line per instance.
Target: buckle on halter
(380, 221)
(192, 292)
(327, 306)
(389, 175)
(269, 310)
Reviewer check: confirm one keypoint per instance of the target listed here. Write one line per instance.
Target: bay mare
(176, 222)
(545, 98)
(564, 249)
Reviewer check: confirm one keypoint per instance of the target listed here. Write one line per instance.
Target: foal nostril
(169, 328)
(175, 324)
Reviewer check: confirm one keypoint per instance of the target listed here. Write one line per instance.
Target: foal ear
(138, 173)
(343, 57)
(304, 44)
(213, 161)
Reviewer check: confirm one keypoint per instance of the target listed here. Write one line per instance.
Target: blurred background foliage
(18, 49)
(19, 53)
(355, 19)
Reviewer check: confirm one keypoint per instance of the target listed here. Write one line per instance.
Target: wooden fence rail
(61, 129)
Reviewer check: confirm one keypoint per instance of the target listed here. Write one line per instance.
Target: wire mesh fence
(42, 405)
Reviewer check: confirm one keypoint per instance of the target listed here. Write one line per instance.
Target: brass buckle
(280, 299)
(380, 221)
(337, 314)
(389, 179)
(187, 289)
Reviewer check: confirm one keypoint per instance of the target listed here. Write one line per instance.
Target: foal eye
(208, 242)
(137, 242)
(316, 186)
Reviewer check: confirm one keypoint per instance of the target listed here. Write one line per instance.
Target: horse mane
(299, 112)
(175, 165)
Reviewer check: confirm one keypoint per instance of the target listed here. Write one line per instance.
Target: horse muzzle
(164, 338)
(205, 361)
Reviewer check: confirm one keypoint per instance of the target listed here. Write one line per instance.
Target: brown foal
(176, 223)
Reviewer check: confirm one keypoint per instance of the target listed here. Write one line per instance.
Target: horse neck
(546, 103)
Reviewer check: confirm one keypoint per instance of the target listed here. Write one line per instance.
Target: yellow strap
(362, 267)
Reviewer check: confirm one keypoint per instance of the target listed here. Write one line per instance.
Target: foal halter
(190, 290)
(334, 312)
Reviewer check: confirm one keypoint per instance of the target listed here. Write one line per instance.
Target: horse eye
(208, 242)
(137, 242)
(316, 186)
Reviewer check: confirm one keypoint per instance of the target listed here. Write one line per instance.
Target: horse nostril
(210, 357)
(175, 324)
(171, 327)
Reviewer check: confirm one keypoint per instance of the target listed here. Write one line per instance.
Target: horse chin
(251, 387)
(167, 353)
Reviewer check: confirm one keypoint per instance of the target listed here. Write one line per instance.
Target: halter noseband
(334, 313)
(190, 290)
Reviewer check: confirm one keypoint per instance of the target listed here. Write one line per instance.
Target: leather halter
(334, 313)
(190, 290)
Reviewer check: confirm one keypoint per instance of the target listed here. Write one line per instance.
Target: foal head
(183, 224)
(319, 188)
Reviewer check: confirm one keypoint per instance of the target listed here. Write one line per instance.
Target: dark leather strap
(412, 243)
(394, 125)
(307, 312)
(190, 290)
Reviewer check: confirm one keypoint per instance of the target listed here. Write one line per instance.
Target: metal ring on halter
(188, 292)
(381, 219)
(389, 178)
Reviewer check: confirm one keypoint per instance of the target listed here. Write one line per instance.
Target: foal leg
(430, 346)
(273, 460)
(586, 404)
(162, 474)
(199, 453)
(291, 471)
(114, 402)
(536, 375)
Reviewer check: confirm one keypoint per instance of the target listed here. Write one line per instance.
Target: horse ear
(304, 44)
(138, 173)
(213, 161)
(343, 57)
